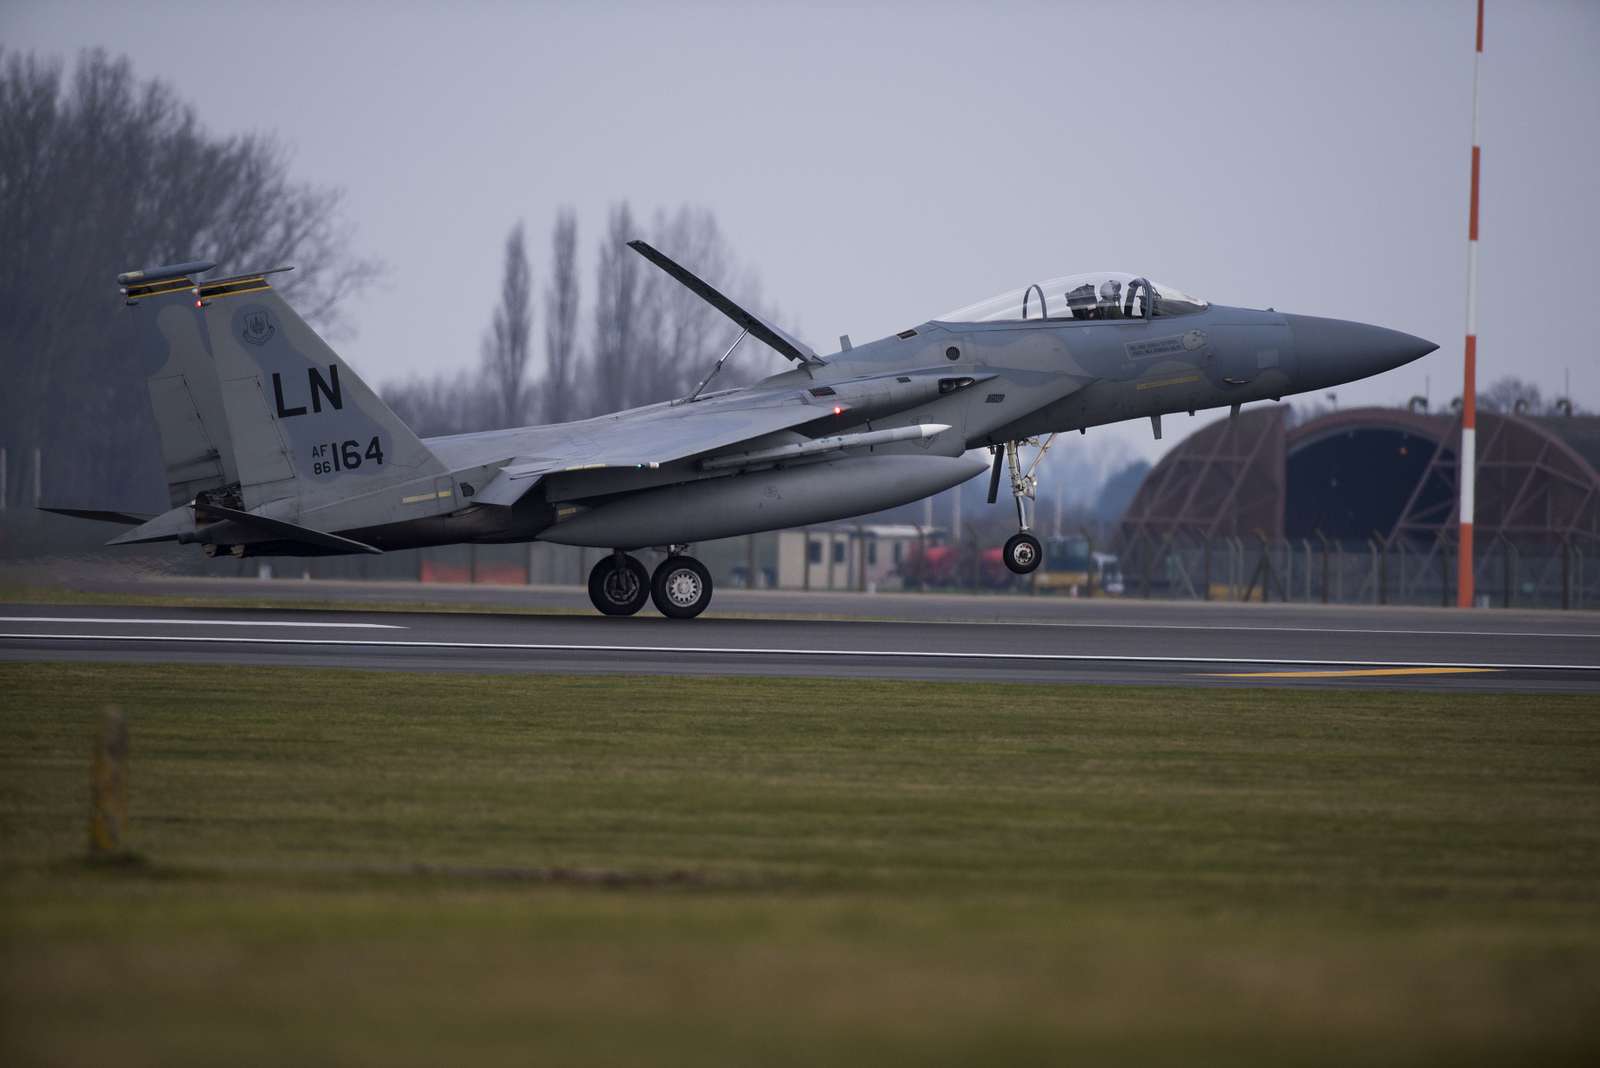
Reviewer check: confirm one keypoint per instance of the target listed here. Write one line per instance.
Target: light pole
(1469, 388)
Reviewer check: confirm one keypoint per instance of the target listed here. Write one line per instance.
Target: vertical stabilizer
(167, 336)
(306, 430)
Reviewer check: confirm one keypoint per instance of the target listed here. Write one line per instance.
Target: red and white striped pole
(1469, 387)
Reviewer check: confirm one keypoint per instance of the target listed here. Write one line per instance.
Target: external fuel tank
(763, 500)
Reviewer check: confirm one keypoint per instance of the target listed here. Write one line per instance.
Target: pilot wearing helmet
(1110, 299)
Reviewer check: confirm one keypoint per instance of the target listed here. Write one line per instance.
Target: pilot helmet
(1110, 289)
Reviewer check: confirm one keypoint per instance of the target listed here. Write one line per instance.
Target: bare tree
(1509, 393)
(447, 403)
(100, 172)
(508, 343)
(686, 329)
(616, 314)
(654, 339)
(558, 399)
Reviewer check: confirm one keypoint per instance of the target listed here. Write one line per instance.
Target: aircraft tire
(1022, 553)
(618, 592)
(681, 587)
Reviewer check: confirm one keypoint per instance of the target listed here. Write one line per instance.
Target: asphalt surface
(836, 635)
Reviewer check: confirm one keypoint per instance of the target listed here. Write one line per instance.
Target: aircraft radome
(274, 446)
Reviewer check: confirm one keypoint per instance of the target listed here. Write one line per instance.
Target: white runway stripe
(1268, 628)
(690, 650)
(198, 622)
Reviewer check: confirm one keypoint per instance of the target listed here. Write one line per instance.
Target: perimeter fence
(1323, 571)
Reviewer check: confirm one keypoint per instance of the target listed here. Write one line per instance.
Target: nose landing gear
(1022, 553)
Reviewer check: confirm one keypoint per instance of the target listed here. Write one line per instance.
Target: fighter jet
(273, 445)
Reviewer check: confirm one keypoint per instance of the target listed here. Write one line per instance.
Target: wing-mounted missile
(817, 446)
(154, 281)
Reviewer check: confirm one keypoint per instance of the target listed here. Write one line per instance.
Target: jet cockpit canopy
(1082, 297)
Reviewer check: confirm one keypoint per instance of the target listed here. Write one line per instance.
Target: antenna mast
(1469, 390)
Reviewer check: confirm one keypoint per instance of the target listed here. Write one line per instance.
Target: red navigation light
(838, 410)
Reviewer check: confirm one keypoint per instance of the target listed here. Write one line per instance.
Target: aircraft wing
(646, 440)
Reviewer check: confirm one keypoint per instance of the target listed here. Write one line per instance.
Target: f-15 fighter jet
(274, 446)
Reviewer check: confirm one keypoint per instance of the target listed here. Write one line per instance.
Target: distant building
(1376, 486)
(846, 556)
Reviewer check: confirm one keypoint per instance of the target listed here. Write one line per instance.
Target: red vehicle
(942, 566)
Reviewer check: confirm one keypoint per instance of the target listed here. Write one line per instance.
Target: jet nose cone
(1333, 351)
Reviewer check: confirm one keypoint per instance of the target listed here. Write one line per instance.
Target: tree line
(101, 171)
(648, 339)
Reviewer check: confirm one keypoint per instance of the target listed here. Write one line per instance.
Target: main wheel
(619, 590)
(1022, 553)
(681, 587)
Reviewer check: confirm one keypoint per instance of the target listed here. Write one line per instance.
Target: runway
(966, 639)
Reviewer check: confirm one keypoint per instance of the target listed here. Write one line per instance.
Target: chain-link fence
(1404, 571)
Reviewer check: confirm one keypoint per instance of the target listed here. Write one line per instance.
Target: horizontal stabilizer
(175, 524)
(283, 530)
(761, 329)
(130, 519)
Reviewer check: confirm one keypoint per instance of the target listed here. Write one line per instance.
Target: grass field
(415, 869)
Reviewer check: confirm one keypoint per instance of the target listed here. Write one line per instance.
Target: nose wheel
(681, 587)
(1022, 552)
(619, 585)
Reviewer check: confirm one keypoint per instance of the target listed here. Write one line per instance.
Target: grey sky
(876, 168)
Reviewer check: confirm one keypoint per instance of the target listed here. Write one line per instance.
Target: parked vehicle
(1071, 566)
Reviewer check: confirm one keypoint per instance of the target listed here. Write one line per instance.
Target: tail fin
(303, 426)
(167, 337)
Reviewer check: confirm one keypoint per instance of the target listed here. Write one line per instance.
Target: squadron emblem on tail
(258, 328)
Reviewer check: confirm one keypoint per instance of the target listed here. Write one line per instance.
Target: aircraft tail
(305, 428)
(166, 336)
(258, 414)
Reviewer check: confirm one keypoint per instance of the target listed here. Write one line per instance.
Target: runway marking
(681, 650)
(1353, 673)
(199, 622)
(1308, 629)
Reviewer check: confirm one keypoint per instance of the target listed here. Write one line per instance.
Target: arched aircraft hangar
(1360, 505)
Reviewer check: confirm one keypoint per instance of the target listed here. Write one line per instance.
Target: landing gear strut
(618, 585)
(1022, 553)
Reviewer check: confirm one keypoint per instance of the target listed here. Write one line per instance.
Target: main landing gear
(680, 587)
(1022, 553)
(618, 585)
